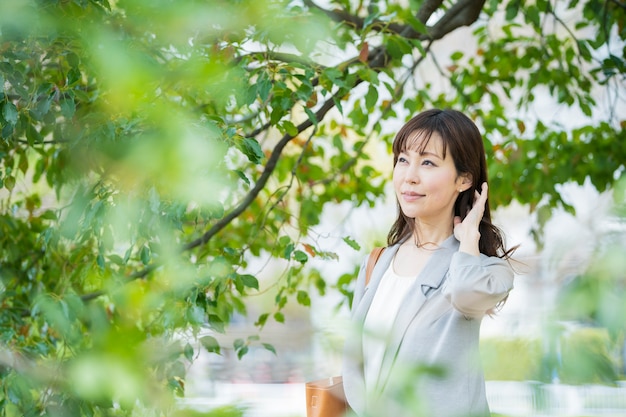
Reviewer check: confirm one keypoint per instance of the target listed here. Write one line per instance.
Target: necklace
(429, 246)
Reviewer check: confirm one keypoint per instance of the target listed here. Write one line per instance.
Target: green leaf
(9, 182)
(210, 344)
(371, 98)
(251, 148)
(370, 18)
(312, 117)
(398, 46)
(68, 108)
(263, 86)
(338, 104)
(352, 243)
(456, 56)
(32, 135)
(288, 251)
(48, 215)
(73, 76)
(145, 255)
(7, 131)
(250, 281)
(335, 77)
(303, 298)
(9, 112)
(116, 259)
(238, 343)
(216, 323)
(300, 256)
(290, 128)
(418, 26)
(532, 15)
(512, 8)
(270, 347)
(188, 351)
(242, 352)
(262, 320)
(279, 317)
(243, 176)
(23, 163)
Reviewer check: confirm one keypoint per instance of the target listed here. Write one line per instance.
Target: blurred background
(188, 188)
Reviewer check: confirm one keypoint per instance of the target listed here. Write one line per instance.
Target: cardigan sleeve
(476, 284)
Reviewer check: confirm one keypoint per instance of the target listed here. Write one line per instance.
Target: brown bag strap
(374, 255)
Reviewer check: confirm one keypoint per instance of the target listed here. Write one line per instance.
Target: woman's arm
(476, 284)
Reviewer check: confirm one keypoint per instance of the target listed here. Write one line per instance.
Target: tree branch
(282, 57)
(619, 4)
(427, 9)
(462, 13)
(564, 25)
(286, 189)
(341, 16)
(137, 275)
(260, 184)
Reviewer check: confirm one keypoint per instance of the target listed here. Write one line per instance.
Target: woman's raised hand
(466, 231)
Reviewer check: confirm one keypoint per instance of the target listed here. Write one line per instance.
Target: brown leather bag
(325, 397)
(371, 262)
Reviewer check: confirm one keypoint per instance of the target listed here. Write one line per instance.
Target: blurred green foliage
(514, 359)
(585, 340)
(150, 149)
(587, 358)
(227, 411)
(582, 355)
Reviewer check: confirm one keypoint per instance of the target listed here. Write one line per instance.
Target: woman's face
(426, 183)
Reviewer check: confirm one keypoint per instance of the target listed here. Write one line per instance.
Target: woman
(444, 269)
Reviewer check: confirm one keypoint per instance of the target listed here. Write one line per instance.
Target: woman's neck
(428, 235)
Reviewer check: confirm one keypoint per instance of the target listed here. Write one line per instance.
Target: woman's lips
(410, 196)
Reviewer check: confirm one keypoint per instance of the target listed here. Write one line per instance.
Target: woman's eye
(427, 162)
(401, 159)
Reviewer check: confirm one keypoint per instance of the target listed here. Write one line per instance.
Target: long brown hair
(462, 139)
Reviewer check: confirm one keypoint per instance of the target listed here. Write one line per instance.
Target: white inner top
(379, 321)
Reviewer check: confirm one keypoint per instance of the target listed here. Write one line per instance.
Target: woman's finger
(480, 201)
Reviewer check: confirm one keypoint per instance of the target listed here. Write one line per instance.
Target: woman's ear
(465, 181)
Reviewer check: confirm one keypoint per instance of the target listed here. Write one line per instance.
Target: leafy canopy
(149, 149)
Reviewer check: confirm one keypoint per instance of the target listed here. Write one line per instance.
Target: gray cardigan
(437, 326)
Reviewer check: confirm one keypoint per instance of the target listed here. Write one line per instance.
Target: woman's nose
(412, 175)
